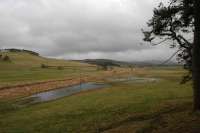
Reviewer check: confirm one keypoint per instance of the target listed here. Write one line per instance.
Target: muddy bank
(29, 89)
(59, 93)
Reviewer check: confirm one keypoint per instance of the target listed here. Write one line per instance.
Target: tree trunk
(196, 57)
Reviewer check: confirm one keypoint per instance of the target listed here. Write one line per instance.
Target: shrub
(60, 68)
(6, 58)
(102, 67)
(44, 66)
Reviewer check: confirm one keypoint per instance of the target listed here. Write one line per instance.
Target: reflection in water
(132, 78)
(67, 91)
(58, 93)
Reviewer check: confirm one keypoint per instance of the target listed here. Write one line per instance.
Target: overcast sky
(78, 29)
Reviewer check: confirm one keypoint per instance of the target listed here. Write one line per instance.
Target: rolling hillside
(24, 59)
(23, 67)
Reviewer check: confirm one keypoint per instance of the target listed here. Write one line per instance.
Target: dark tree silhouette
(178, 23)
(196, 55)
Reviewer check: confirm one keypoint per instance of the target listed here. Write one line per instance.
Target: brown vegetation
(28, 89)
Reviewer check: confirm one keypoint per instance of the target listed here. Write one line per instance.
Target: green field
(26, 68)
(125, 107)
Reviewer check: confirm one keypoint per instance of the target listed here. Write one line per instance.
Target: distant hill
(20, 50)
(25, 59)
(31, 58)
(107, 62)
(128, 64)
(24, 68)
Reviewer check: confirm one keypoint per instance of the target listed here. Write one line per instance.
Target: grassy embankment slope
(126, 107)
(24, 76)
(26, 68)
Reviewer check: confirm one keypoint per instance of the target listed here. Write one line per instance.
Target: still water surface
(62, 92)
(67, 91)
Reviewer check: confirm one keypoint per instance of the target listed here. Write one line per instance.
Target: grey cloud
(76, 27)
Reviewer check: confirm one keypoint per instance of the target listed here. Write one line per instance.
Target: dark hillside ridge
(104, 62)
(20, 50)
(107, 62)
(127, 64)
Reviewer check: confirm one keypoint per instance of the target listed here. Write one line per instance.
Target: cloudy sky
(78, 29)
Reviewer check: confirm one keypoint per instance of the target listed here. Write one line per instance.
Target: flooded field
(62, 92)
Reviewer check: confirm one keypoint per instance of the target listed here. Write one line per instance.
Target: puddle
(132, 79)
(62, 92)
(67, 91)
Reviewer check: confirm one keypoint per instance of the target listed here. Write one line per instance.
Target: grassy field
(161, 106)
(26, 68)
(25, 76)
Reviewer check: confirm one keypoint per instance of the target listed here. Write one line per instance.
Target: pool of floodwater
(67, 91)
(62, 92)
(132, 79)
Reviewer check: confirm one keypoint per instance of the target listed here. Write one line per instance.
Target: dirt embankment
(28, 89)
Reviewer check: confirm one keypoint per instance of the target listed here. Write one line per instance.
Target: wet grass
(125, 107)
(114, 108)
